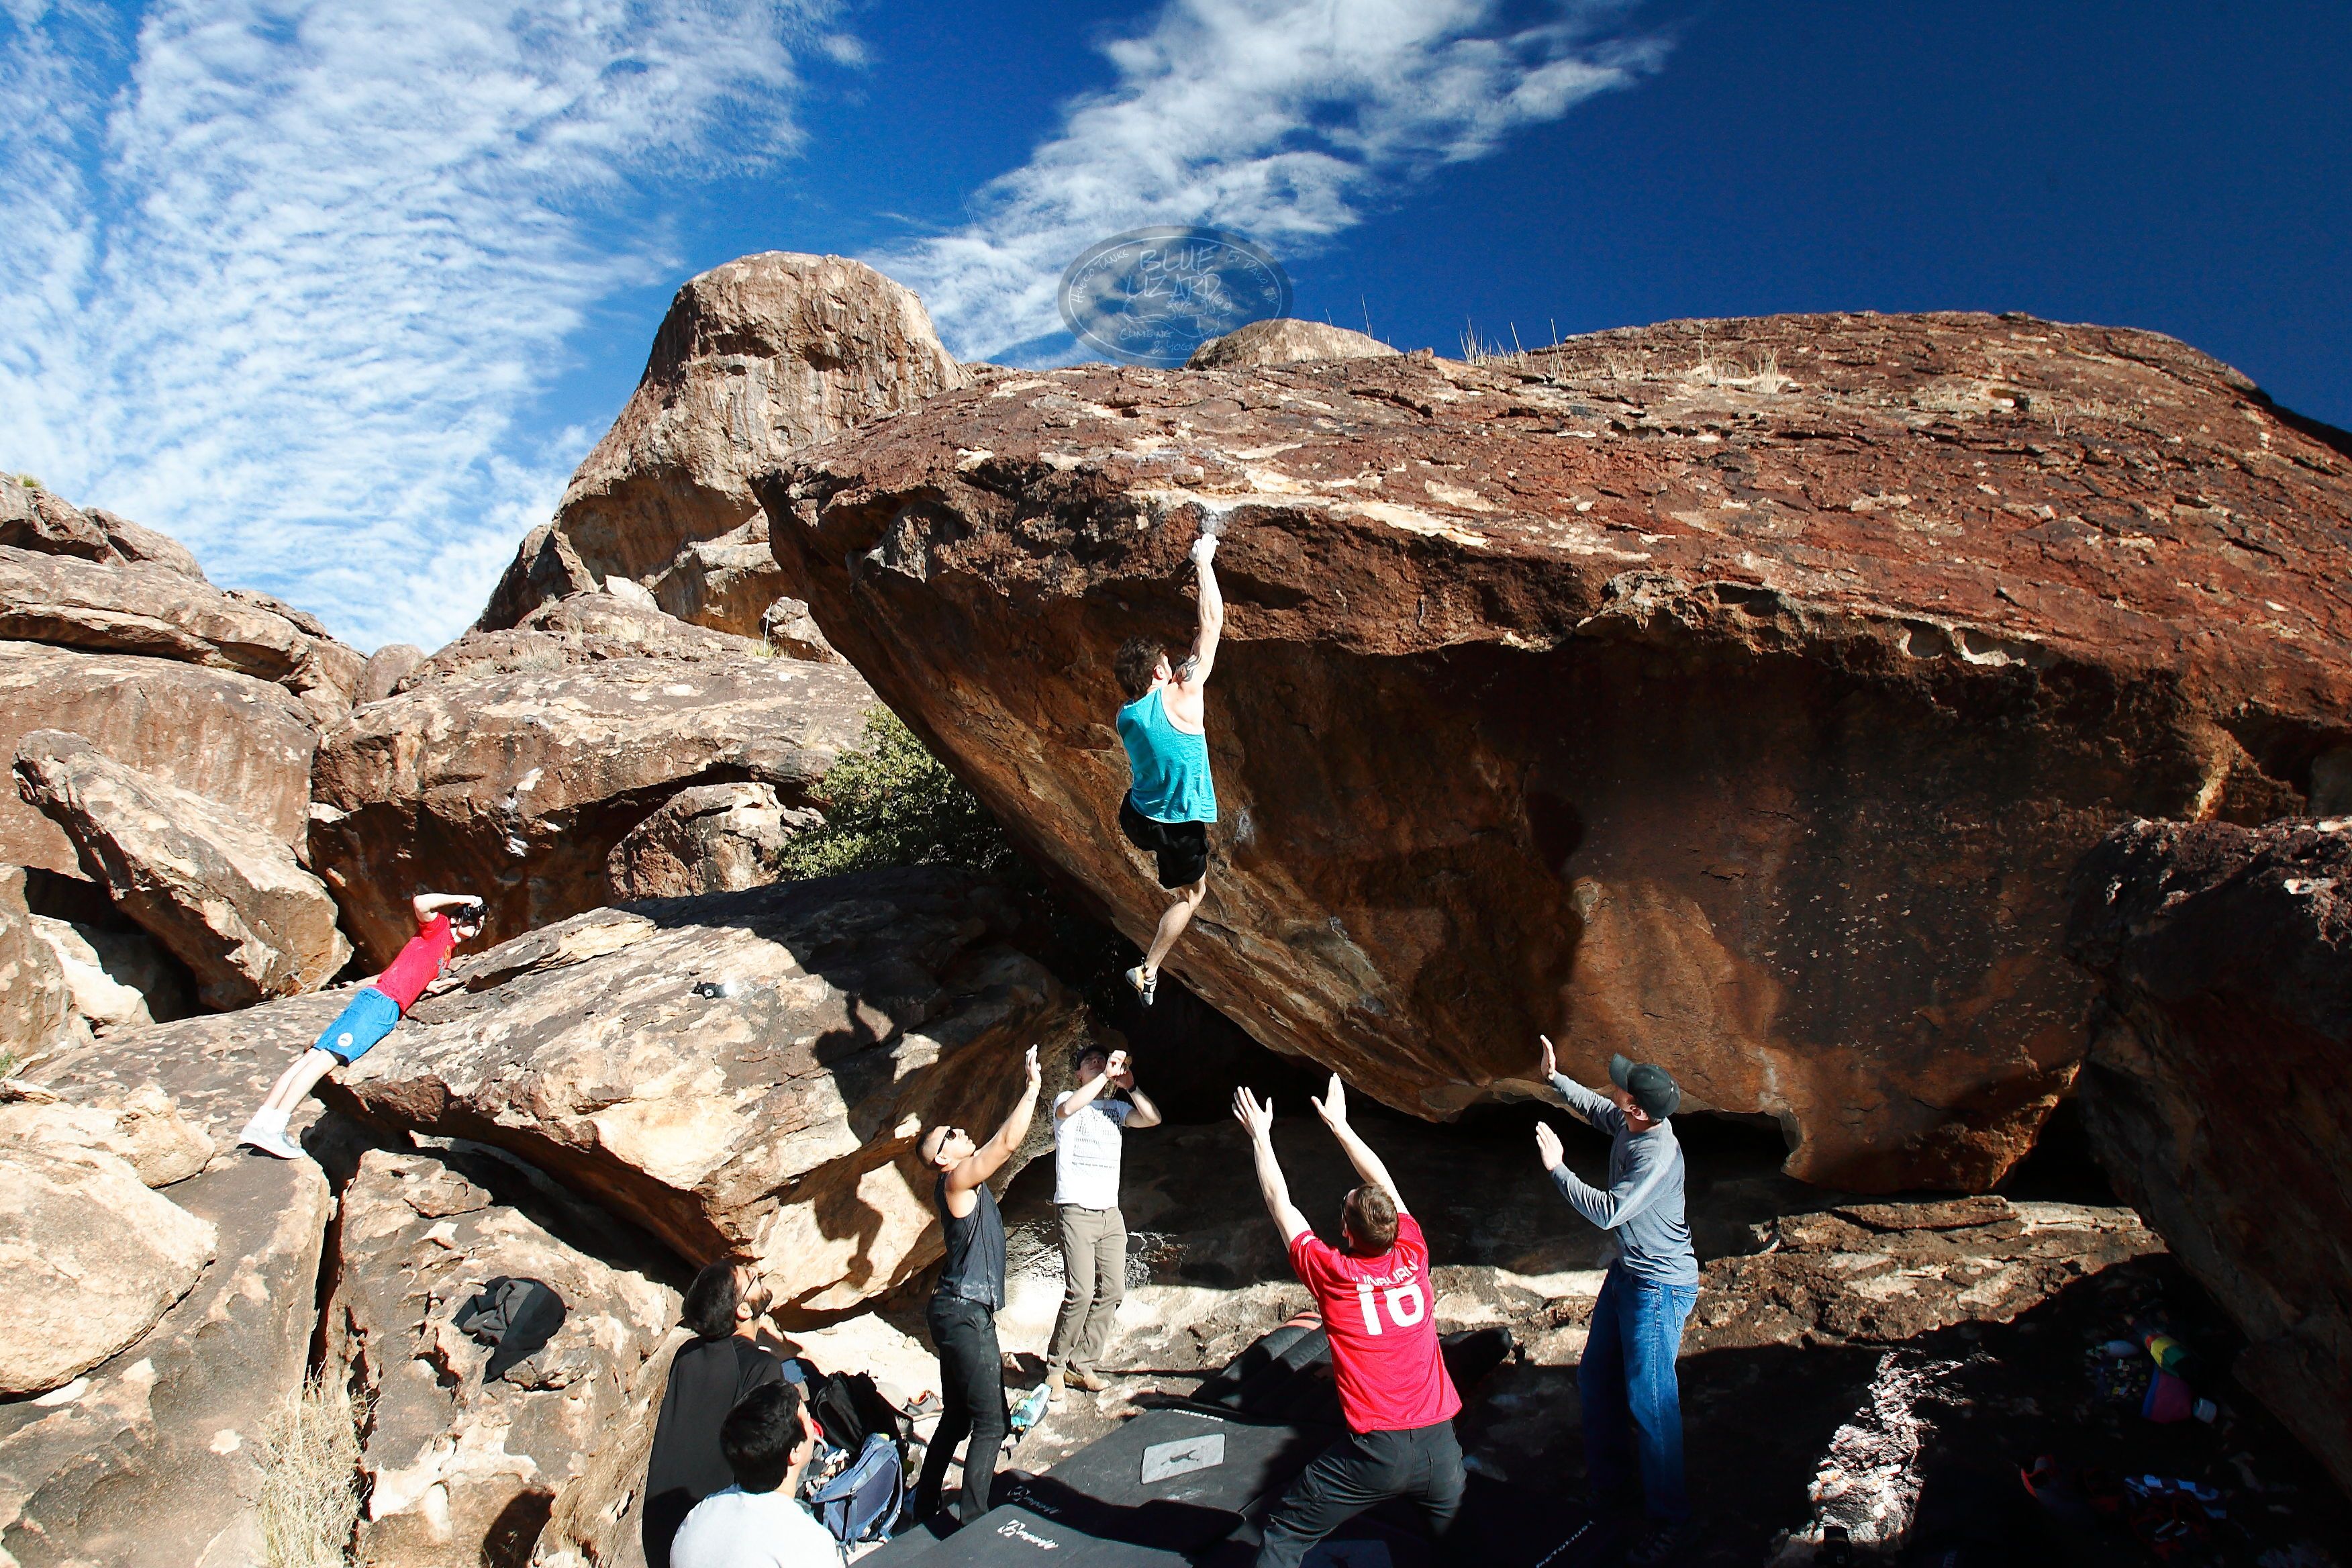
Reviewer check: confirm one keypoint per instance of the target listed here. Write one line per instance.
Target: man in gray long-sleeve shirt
(1627, 1374)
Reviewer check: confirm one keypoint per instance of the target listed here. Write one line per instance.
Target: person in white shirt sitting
(756, 1524)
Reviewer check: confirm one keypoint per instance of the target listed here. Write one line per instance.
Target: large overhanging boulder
(232, 738)
(229, 900)
(763, 354)
(510, 763)
(2219, 1089)
(744, 1073)
(1736, 695)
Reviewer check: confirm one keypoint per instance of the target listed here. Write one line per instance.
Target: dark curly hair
(1138, 659)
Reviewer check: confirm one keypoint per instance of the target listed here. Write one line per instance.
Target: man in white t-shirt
(1087, 1124)
(756, 1522)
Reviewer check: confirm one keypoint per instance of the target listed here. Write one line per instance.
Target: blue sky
(339, 291)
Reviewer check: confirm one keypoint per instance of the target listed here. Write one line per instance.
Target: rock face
(36, 1005)
(93, 1258)
(156, 1462)
(510, 763)
(1284, 341)
(154, 1465)
(746, 1072)
(713, 838)
(231, 738)
(466, 1447)
(1880, 1273)
(229, 900)
(142, 1127)
(387, 668)
(1736, 694)
(116, 979)
(2219, 1079)
(595, 1521)
(157, 612)
(755, 358)
(34, 519)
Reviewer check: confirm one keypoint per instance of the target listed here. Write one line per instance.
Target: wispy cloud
(1282, 119)
(283, 275)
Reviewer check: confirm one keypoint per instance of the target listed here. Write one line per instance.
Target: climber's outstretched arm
(1194, 672)
(1271, 1186)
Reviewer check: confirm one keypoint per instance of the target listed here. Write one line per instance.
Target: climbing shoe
(269, 1139)
(1143, 983)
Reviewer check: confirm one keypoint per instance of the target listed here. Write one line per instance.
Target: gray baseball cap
(1652, 1086)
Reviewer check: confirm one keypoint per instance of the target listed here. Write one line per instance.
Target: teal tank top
(1170, 766)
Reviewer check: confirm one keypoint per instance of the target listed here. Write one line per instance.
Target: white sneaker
(270, 1141)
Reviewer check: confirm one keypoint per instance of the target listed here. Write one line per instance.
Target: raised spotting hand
(1548, 1146)
(1258, 1118)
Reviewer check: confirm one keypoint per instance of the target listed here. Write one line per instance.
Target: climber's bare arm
(1193, 673)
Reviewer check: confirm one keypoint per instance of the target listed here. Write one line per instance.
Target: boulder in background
(711, 838)
(510, 763)
(743, 1073)
(758, 356)
(230, 901)
(235, 739)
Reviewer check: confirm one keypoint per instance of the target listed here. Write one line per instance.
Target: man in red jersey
(1374, 1294)
(379, 1004)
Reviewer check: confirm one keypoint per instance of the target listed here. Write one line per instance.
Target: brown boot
(1056, 1385)
(1092, 1382)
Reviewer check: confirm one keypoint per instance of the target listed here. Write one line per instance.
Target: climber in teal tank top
(1171, 800)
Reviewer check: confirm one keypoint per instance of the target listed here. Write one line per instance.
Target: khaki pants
(1093, 1261)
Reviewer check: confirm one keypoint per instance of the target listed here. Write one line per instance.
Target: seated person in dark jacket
(709, 1377)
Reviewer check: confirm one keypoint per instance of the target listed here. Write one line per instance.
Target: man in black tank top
(964, 1305)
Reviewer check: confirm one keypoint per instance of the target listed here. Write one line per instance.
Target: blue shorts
(357, 1028)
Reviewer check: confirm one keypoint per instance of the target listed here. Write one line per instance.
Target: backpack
(849, 1409)
(859, 1503)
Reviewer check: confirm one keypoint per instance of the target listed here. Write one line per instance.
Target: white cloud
(283, 274)
(1282, 120)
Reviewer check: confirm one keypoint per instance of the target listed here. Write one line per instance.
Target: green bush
(894, 803)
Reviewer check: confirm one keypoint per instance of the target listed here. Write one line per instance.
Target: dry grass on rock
(309, 1479)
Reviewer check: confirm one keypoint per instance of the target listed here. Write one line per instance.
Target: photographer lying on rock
(382, 1002)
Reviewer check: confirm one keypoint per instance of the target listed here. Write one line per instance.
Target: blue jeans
(1628, 1371)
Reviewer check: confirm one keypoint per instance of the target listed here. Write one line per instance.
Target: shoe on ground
(1056, 1385)
(1661, 1543)
(1144, 983)
(270, 1141)
(1092, 1382)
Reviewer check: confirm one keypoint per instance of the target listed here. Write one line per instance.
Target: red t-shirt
(1384, 1346)
(406, 977)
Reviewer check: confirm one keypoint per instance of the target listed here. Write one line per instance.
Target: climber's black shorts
(1181, 847)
